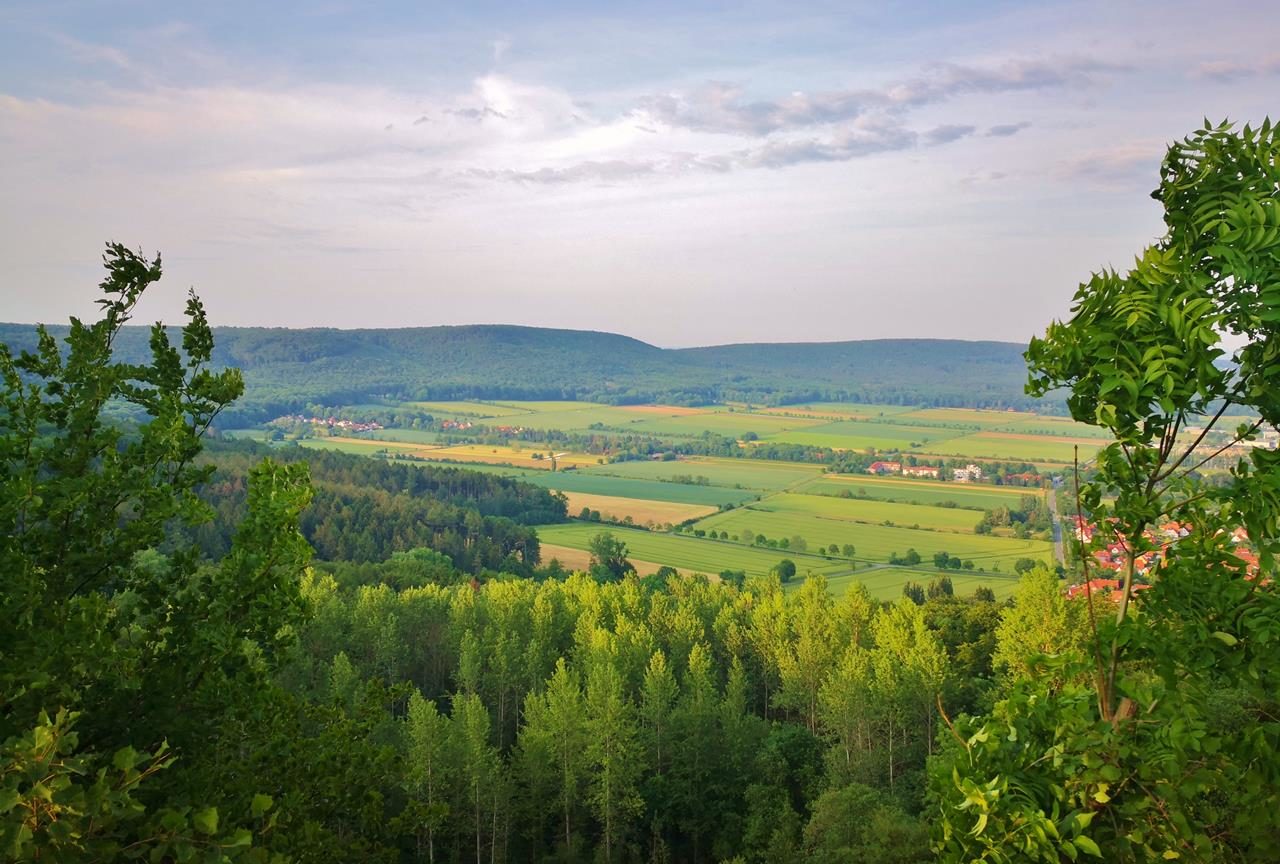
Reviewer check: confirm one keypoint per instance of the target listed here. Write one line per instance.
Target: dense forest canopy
(287, 369)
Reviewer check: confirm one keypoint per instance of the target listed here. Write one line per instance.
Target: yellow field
(580, 559)
(664, 410)
(375, 443)
(509, 456)
(641, 511)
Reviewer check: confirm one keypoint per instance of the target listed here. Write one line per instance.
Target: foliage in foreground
(1160, 740)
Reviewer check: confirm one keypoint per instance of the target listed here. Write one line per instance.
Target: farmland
(733, 473)
(877, 542)
(880, 516)
(916, 491)
(638, 510)
(870, 512)
(692, 554)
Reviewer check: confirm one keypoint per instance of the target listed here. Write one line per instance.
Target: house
(968, 474)
(920, 471)
(1026, 478)
(884, 468)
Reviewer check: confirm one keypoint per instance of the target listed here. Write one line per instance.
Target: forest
(229, 653)
(285, 370)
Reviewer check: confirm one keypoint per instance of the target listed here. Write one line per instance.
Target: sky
(687, 173)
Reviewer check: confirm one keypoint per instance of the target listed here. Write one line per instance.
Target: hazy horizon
(684, 174)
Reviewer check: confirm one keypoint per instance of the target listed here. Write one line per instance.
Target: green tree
(613, 753)
(785, 570)
(608, 557)
(1163, 744)
(124, 650)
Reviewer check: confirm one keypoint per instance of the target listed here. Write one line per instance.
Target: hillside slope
(286, 369)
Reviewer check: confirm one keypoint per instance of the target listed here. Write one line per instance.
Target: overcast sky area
(687, 173)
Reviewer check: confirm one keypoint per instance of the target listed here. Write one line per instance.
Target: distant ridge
(290, 368)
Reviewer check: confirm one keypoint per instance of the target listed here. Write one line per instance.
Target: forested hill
(286, 369)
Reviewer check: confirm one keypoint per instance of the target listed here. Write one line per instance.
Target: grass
(967, 416)
(468, 409)
(885, 583)
(996, 445)
(691, 554)
(869, 511)
(756, 474)
(412, 436)
(915, 491)
(504, 455)
(876, 542)
(361, 446)
(860, 434)
(730, 423)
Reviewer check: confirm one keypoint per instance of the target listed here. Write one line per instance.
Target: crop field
(851, 409)
(578, 418)
(759, 474)
(411, 436)
(502, 455)
(1014, 447)
(469, 409)
(1053, 427)
(733, 423)
(542, 405)
(641, 511)
(664, 410)
(363, 446)
(885, 583)
(691, 554)
(916, 491)
(868, 511)
(876, 542)
(580, 559)
(969, 416)
(592, 483)
(859, 435)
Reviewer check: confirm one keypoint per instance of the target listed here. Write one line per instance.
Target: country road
(1057, 523)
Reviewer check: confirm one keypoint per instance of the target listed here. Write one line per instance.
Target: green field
(990, 445)
(731, 423)
(469, 409)
(734, 473)
(966, 416)
(411, 436)
(885, 583)
(916, 491)
(861, 434)
(868, 511)
(694, 554)
(699, 555)
(876, 542)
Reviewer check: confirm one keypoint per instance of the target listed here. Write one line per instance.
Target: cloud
(1226, 71)
(1124, 165)
(721, 106)
(1006, 130)
(947, 133)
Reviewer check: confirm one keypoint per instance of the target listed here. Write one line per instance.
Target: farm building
(920, 471)
(884, 468)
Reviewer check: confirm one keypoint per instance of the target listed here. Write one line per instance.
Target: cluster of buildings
(327, 422)
(899, 468)
(968, 474)
(456, 424)
(1113, 557)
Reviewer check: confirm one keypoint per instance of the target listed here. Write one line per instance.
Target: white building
(969, 474)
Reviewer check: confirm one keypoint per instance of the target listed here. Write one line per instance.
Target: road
(1057, 523)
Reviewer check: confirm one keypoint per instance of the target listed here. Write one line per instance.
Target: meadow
(916, 491)
(861, 434)
(885, 583)
(757, 474)
(690, 554)
(875, 543)
(868, 511)
(1015, 447)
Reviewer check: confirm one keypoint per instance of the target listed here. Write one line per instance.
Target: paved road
(1057, 523)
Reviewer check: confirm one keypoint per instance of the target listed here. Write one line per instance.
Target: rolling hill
(286, 369)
